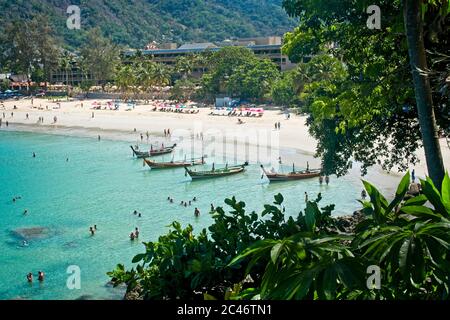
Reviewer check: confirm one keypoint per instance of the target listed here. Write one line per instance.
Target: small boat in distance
(174, 164)
(216, 173)
(294, 175)
(152, 152)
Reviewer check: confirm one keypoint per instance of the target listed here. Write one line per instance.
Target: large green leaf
(310, 216)
(420, 211)
(445, 191)
(433, 196)
(403, 256)
(275, 252)
(400, 193)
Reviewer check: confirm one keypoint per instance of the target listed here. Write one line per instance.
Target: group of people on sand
(41, 276)
(277, 125)
(93, 229)
(135, 234)
(167, 133)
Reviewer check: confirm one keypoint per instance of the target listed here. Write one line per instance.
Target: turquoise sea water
(102, 184)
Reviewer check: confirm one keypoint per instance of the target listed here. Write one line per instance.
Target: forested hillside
(136, 22)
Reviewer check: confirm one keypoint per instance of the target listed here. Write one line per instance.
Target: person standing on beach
(7, 123)
(413, 175)
(1, 122)
(279, 125)
(148, 135)
(165, 133)
(327, 180)
(27, 116)
(142, 137)
(92, 116)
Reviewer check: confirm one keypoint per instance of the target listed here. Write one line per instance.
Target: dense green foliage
(367, 98)
(236, 71)
(135, 23)
(244, 256)
(29, 48)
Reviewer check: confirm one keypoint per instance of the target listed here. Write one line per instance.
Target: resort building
(264, 47)
(167, 53)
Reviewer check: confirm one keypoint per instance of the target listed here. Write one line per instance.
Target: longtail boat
(152, 152)
(294, 175)
(174, 164)
(216, 173)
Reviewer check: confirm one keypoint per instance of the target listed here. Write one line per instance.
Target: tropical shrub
(409, 240)
(269, 256)
(186, 266)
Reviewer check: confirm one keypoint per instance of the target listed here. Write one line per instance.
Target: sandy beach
(293, 140)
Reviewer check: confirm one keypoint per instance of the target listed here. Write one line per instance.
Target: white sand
(291, 141)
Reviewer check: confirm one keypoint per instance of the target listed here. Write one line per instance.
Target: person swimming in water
(139, 215)
(197, 212)
(92, 231)
(30, 277)
(34, 155)
(95, 227)
(135, 212)
(136, 232)
(41, 276)
(212, 208)
(25, 211)
(132, 236)
(195, 199)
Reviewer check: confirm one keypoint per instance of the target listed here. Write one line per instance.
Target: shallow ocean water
(102, 184)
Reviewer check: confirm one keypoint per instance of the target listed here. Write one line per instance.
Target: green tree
(253, 79)
(30, 46)
(375, 102)
(99, 57)
(413, 17)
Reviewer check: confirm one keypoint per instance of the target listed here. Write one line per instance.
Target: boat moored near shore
(294, 175)
(216, 173)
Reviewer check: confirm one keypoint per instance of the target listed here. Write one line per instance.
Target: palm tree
(161, 76)
(65, 63)
(185, 65)
(125, 79)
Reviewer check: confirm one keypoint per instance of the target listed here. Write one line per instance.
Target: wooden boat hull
(292, 176)
(198, 175)
(171, 165)
(152, 153)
